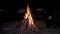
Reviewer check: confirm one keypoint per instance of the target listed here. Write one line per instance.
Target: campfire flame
(29, 17)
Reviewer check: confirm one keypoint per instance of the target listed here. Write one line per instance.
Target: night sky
(12, 6)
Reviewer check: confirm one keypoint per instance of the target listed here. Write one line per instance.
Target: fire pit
(28, 25)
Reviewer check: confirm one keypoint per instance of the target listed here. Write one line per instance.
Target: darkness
(52, 7)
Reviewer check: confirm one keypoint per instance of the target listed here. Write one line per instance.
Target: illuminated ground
(14, 29)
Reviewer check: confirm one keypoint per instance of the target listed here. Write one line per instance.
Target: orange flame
(29, 17)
